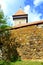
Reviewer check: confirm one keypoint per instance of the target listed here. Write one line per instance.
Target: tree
(3, 25)
(3, 19)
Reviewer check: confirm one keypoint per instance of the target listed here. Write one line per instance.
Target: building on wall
(20, 17)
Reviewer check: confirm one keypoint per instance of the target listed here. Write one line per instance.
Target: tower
(20, 17)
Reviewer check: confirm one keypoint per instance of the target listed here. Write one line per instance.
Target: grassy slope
(27, 63)
(24, 63)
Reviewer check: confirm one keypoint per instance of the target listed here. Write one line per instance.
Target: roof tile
(20, 12)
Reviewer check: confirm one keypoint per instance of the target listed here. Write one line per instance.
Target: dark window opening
(1, 44)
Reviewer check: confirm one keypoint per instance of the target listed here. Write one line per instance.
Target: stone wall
(30, 39)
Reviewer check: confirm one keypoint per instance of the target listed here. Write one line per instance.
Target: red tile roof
(20, 12)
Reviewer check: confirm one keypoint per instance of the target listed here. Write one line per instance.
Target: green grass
(1, 62)
(27, 63)
(24, 63)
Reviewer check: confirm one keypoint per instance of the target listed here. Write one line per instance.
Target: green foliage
(27, 63)
(2, 62)
(4, 27)
(3, 20)
(1, 14)
(9, 49)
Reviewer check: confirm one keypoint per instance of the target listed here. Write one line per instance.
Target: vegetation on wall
(29, 42)
(23, 43)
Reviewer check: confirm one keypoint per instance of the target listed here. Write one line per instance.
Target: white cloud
(37, 2)
(10, 6)
(32, 15)
(3, 6)
(27, 8)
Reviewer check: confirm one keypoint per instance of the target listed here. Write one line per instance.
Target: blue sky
(34, 8)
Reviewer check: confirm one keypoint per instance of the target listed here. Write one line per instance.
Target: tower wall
(20, 21)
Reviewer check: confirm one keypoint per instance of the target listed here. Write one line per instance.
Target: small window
(19, 22)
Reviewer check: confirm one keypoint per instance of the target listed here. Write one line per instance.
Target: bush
(4, 62)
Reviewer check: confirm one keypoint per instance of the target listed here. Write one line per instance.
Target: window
(19, 22)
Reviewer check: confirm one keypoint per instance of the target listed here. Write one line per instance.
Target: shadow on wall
(1, 50)
(1, 44)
